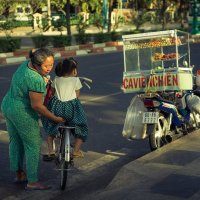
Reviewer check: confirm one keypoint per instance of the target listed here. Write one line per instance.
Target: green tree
(10, 5)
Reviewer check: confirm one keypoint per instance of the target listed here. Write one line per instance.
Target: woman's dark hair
(31, 52)
(65, 67)
(39, 56)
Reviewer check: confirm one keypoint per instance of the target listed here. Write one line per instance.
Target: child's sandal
(78, 154)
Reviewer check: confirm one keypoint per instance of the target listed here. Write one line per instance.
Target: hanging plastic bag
(193, 103)
(133, 126)
(49, 93)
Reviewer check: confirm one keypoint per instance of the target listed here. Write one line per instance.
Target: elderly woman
(21, 107)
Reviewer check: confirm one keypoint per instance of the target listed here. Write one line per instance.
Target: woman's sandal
(37, 187)
(78, 154)
(49, 157)
(21, 178)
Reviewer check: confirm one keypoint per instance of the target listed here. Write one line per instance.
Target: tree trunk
(184, 7)
(6, 12)
(163, 14)
(109, 14)
(67, 11)
(181, 14)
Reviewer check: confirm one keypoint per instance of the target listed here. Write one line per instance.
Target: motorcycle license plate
(150, 117)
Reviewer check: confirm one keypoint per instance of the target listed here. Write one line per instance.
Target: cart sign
(156, 82)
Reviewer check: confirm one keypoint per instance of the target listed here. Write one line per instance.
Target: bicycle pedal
(57, 161)
(72, 163)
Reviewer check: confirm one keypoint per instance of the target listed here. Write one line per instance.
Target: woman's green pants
(25, 139)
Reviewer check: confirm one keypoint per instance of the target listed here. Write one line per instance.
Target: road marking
(104, 160)
(101, 97)
(98, 163)
(116, 153)
(3, 132)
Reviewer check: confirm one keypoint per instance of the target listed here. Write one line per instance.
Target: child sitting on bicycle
(65, 103)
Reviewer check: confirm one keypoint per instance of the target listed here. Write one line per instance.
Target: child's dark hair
(65, 67)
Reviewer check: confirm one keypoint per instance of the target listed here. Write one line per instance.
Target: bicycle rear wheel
(65, 159)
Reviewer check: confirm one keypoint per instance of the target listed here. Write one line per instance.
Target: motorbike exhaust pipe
(168, 138)
(173, 136)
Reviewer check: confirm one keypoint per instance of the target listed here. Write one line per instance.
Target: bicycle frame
(67, 133)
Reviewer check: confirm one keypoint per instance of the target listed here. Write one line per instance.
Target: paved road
(106, 150)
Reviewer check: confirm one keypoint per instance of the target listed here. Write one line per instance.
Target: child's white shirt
(66, 87)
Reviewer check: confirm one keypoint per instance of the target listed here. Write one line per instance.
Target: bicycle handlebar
(86, 79)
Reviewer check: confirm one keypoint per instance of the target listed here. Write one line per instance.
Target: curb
(72, 51)
(68, 51)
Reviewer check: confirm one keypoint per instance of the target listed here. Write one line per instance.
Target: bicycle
(63, 148)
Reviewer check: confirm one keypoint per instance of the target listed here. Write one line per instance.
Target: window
(19, 10)
(27, 10)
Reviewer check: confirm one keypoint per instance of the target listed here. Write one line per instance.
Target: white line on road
(109, 157)
(2, 132)
(101, 97)
(98, 163)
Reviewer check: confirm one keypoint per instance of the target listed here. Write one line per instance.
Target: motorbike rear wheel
(157, 133)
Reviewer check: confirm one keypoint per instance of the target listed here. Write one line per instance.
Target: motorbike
(167, 117)
(162, 109)
(170, 115)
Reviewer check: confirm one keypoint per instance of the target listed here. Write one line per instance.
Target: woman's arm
(37, 105)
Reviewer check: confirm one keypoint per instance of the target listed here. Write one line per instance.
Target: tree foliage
(95, 7)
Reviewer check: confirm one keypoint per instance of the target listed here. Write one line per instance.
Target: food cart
(153, 62)
(157, 61)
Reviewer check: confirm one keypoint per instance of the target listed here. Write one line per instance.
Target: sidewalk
(172, 172)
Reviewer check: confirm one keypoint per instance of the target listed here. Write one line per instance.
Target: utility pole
(49, 13)
(195, 9)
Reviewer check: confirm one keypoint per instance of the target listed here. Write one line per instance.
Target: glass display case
(157, 61)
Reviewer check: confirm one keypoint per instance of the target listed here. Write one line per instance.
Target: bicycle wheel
(65, 158)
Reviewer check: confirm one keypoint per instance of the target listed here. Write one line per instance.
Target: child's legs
(77, 144)
(50, 139)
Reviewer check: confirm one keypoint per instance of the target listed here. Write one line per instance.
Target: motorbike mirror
(192, 66)
(185, 63)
